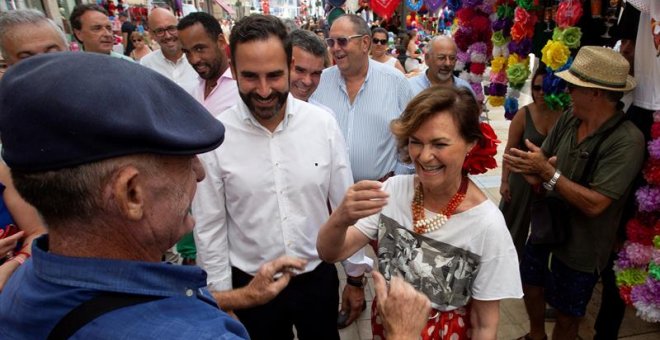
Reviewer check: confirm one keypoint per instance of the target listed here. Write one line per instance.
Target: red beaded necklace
(423, 225)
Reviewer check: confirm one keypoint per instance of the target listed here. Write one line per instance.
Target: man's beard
(264, 113)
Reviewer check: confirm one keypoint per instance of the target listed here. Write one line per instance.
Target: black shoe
(342, 318)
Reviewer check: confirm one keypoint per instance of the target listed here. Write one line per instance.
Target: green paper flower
(505, 11)
(498, 38)
(517, 74)
(631, 277)
(557, 101)
(526, 4)
(654, 270)
(570, 36)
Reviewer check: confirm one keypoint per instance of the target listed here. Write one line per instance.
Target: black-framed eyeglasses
(379, 41)
(136, 40)
(537, 87)
(159, 32)
(341, 41)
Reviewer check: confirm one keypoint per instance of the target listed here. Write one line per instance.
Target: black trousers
(310, 302)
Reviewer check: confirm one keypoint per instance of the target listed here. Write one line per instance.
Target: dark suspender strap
(89, 310)
(591, 163)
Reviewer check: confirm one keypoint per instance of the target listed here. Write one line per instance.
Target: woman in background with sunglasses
(140, 46)
(534, 122)
(379, 49)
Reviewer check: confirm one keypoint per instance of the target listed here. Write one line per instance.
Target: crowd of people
(260, 157)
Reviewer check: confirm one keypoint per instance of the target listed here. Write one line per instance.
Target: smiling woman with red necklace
(435, 228)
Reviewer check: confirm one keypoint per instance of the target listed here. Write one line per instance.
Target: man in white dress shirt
(268, 188)
(169, 59)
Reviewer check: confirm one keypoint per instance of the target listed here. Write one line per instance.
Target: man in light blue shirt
(365, 95)
(441, 60)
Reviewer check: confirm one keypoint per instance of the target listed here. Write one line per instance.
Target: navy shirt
(48, 286)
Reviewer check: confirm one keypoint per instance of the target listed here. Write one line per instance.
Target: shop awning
(225, 6)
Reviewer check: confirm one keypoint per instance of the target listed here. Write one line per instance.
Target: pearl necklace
(421, 224)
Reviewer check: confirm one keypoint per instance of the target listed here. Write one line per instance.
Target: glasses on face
(379, 41)
(137, 40)
(341, 41)
(159, 32)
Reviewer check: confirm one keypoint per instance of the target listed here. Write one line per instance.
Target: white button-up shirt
(180, 72)
(266, 194)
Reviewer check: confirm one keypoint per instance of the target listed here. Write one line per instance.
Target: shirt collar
(136, 277)
(292, 106)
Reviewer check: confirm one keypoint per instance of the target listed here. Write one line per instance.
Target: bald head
(162, 26)
(441, 42)
(441, 59)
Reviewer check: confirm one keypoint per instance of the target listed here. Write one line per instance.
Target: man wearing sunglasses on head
(169, 59)
(365, 95)
(440, 58)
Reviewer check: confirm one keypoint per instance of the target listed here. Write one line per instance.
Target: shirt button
(189, 292)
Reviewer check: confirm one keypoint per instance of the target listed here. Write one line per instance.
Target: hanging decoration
(433, 5)
(556, 54)
(384, 8)
(473, 38)
(414, 5)
(638, 265)
(501, 25)
(517, 65)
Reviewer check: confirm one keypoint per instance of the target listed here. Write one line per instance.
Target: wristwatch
(355, 281)
(550, 185)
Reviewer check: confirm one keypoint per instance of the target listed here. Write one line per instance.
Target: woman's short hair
(458, 102)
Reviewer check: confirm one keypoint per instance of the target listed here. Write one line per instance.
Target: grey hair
(11, 19)
(429, 48)
(309, 42)
(359, 24)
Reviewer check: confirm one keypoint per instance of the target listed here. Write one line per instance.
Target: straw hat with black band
(601, 68)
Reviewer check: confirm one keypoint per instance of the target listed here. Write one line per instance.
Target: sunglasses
(159, 32)
(341, 41)
(379, 41)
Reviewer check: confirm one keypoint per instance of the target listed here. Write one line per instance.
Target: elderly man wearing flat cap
(587, 165)
(114, 181)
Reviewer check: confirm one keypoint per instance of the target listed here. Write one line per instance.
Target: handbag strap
(92, 309)
(591, 162)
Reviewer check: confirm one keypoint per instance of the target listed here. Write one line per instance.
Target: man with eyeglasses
(205, 47)
(92, 28)
(365, 95)
(169, 59)
(440, 58)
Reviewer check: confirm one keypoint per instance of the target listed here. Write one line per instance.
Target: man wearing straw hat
(564, 274)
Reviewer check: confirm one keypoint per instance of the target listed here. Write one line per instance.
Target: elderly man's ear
(128, 192)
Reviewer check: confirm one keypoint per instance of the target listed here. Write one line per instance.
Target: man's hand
(532, 162)
(352, 301)
(362, 199)
(272, 278)
(404, 310)
(8, 243)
